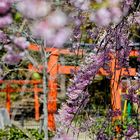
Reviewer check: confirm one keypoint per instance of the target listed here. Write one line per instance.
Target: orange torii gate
(10, 90)
(54, 69)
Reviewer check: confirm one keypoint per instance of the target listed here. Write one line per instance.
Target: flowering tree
(106, 24)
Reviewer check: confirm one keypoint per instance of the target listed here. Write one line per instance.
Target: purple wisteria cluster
(5, 19)
(102, 136)
(15, 46)
(130, 132)
(114, 113)
(63, 137)
(15, 50)
(5, 16)
(77, 93)
(117, 40)
(48, 23)
(105, 12)
(3, 38)
(122, 46)
(109, 14)
(132, 95)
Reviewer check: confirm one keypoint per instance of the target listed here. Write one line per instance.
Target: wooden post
(115, 92)
(52, 94)
(36, 100)
(51, 122)
(8, 102)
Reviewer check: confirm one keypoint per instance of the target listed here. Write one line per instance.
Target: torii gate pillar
(52, 86)
(115, 92)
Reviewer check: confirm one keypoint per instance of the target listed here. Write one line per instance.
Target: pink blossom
(8, 48)
(114, 2)
(15, 50)
(52, 29)
(54, 37)
(4, 6)
(3, 37)
(39, 28)
(129, 2)
(77, 3)
(116, 14)
(6, 20)
(81, 4)
(44, 31)
(103, 17)
(57, 19)
(63, 137)
(34, 8)
(62, 36)
(21, 42)
(85, 5)
(11, 58)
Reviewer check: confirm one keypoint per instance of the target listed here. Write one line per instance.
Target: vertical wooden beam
(115, 91)
(51, 122)
(36, 102)
(52, 83)
(8, 102)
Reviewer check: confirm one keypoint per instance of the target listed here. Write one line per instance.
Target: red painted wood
(134, 53)
(21, 82)
(66, 69)
(52, 84)
(115, 83)
(51, 122)
(36, 100)
(8, 102)
(35, 47)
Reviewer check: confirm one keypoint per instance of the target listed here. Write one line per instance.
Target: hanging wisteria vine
(106, 23)
(116, 39)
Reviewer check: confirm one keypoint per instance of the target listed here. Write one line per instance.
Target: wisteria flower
(4, 6)
(103, 17)
(3, 38)
(130, 131)
(5, 20)
(77, 96)
(33, 8)
(57, 19)
(63, 137)
(132, 95)
(53, 29)
(116, 14)
(81, 4)
(21, 42)
(61, 37)
(15, 50)
(12, 58)
(101, 136)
